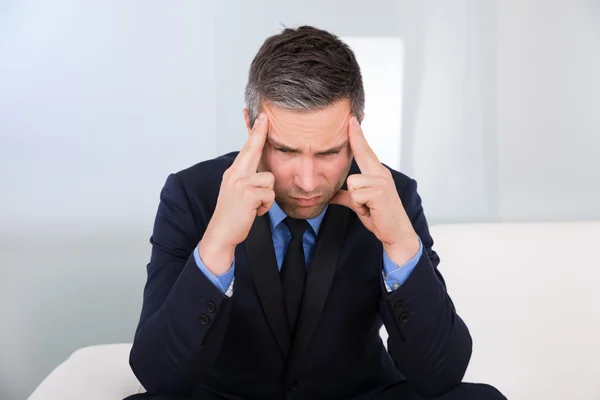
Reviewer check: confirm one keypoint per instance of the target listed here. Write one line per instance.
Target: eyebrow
(335, 149)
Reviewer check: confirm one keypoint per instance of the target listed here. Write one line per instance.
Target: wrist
(216, 255)
(402, 251)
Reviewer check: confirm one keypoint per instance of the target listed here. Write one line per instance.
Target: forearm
(177, 344)
(428, 341)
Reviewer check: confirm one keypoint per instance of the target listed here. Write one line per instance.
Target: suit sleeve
(429, 343)
(184, 316)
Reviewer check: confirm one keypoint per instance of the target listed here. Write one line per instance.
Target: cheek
(282, 171)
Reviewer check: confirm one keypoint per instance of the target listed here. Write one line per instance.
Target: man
(272, 269)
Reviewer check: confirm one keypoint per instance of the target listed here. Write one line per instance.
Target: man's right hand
(244, 194)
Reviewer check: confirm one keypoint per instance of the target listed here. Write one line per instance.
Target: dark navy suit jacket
(191, 337)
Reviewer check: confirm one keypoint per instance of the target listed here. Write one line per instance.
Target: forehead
(317, 129)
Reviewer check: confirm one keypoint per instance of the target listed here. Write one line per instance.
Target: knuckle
(247, 190)
(271, 178)
(242, 186)
(351, 181)
(266, 178)
(254, 197)
(227, 174)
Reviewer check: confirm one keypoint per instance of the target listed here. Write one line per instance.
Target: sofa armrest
(95, 372)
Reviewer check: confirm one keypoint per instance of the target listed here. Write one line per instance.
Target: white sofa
(528, 292)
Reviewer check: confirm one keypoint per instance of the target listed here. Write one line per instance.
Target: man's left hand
(373, 196)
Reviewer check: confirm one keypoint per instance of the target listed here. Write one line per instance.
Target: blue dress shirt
(394, 275)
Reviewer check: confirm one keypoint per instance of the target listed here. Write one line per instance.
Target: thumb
(343, 198)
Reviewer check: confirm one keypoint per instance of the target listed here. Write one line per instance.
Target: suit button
(403, 317)
(292, 386)
(399, 306)
(204, 319)
(211, 307)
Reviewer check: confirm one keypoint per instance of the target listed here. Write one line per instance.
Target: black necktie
(293, 270)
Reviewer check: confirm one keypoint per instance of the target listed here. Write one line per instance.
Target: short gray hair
(304, 69)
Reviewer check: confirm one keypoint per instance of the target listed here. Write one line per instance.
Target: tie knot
(297, 227)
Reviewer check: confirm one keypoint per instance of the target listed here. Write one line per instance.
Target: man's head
(309, 84)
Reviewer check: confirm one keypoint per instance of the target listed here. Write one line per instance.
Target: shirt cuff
(394, 275)
(224, 281)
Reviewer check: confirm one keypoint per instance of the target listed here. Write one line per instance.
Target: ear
(247, 119)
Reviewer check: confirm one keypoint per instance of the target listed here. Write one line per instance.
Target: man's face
(309, 155)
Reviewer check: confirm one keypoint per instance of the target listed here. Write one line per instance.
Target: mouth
(307, 201)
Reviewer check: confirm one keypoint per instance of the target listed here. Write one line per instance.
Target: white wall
(99, 101)
(548, 109)
(503, 123)
(449, 132)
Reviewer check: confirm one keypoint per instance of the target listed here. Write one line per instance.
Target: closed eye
(285, 150)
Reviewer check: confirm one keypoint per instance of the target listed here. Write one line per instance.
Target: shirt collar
(277, 215)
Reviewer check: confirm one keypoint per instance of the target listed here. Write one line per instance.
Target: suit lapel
(261, 255)
(320, 276)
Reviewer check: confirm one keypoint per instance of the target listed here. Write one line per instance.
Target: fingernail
(354, 122)
(262, 117)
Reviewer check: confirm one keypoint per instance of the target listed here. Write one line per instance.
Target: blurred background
(491, 105)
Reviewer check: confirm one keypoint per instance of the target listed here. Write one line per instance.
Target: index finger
(363, 153)
(247, 161)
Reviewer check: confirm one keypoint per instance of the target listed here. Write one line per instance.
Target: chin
(303, 212)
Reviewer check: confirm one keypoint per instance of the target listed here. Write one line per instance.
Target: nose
(306, 178)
